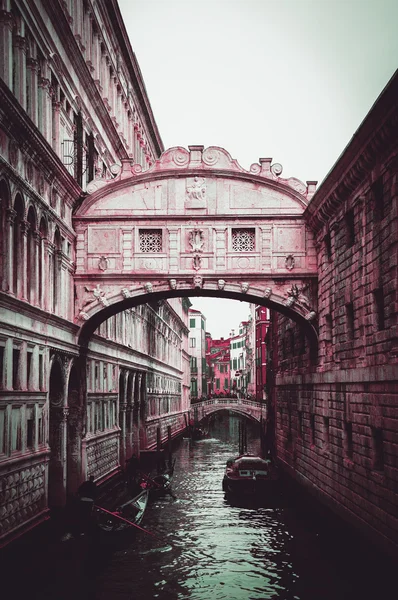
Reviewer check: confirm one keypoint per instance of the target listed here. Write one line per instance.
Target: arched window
(4, 250)
(31, 257)
(56, 272)
(42, 261)
(17, 255)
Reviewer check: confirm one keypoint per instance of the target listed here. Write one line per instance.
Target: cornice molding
(373, 142)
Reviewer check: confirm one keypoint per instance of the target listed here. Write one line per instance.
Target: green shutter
(192, 322)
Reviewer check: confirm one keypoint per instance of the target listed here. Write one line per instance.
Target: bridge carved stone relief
(195, 223)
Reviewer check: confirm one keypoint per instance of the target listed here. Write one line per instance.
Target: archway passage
(195, 223)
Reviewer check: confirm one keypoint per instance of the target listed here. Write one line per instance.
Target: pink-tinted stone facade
(337, 412)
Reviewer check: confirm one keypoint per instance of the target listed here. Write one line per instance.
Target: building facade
(261, 319)
(337, 411)
(218, 366)
(197, 350)
(73, 106)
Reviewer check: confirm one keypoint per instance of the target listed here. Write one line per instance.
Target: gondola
(249, 475)
(199, 434)
(160, 484)
(125, 516)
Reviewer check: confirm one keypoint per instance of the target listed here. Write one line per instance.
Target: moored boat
(247, 475)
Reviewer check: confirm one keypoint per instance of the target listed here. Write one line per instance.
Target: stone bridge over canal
(246, 408)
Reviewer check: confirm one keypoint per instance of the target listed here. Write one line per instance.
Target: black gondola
(126, 515)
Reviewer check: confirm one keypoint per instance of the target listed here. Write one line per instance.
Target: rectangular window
(379, 308)
(29, 356)
(217, 384)
(193, 363)
(29, 433)
(2, 432)
(349, 308)
(1, 367)
(235, 363)
(41, 437)
(350, 228)
(202, 323)
(192, 342)
(378, 448)
(192, 322)
(221, 368)
(16, 440)
(41, 372)
(150, 240)
(15, 368)
(243, 240)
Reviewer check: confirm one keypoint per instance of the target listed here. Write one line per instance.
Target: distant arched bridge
(246, 408)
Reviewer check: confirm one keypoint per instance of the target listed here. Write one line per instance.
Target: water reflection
(210, 547)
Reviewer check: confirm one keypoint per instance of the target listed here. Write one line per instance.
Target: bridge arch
(195, 224)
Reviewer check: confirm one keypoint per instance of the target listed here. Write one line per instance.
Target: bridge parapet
(248, 408)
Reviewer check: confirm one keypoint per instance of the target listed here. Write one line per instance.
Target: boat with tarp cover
(248, 474)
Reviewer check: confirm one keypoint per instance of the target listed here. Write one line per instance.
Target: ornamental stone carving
(267, 292)
(196, 240)
(289, 262)
(196, 192)
(103, 263)
(173, 284)
(98, 295)
(221, 284)
(148, 288)
(197, 262)
(298, 296)
(244, 286)
(126, 293)
(198, 281)
(311, 316)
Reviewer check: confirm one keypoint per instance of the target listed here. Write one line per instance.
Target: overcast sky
(287, 79)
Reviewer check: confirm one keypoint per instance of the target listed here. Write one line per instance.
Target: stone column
(220, 249)
(32, 76)
(58, 283)
(19, 48)
(8, 285)
(130, 433)
(142, 413)
(87, 39)
(48, 252)
(36, 283)
(23, 269)
(45, 106)
(35, 368)
(23, 359)
(6, 24)
(7, 378)
(56, 142)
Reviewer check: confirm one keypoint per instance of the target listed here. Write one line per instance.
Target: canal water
(203, 547)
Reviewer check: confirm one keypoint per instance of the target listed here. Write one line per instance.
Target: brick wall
(337, 412)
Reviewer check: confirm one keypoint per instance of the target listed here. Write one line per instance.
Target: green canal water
(205, 547)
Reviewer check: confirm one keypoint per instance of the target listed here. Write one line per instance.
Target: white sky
(287, 79)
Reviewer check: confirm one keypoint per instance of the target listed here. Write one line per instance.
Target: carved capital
(10, 215)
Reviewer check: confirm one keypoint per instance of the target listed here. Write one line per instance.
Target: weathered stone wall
(337, 413)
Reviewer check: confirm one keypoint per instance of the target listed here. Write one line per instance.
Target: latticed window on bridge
(243, 240)
(151, 240)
